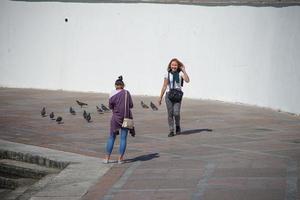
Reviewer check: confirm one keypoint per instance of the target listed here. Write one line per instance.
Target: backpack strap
(182, 81)
(125, 104)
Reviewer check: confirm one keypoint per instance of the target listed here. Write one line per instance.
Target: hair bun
(120, 78)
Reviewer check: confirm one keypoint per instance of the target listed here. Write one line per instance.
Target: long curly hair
(178, 63)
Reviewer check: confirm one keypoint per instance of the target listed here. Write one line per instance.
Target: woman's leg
(170, 110)
(123, 142)
(176, 113)
(110, 145)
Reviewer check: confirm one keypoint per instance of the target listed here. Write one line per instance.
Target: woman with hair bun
(120, 110)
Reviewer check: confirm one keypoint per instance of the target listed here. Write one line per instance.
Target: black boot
(171, 134)
(178, 130)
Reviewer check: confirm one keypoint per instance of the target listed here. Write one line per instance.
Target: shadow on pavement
(143, 158)
(188, 132)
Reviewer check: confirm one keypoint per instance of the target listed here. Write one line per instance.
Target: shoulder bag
(127, 123)
(174, 95)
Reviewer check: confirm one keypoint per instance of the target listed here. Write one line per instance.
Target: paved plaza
(226, 151)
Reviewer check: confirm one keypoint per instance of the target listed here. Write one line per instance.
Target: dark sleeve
(130, 101)
(111, 104)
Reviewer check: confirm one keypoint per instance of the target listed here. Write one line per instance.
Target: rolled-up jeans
(173, 113)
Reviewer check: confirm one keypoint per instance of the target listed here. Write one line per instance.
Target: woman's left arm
(185, 76)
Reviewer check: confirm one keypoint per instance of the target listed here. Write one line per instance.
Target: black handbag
(174, 95)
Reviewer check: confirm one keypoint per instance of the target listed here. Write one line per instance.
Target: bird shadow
(143, 157)
(193, 131)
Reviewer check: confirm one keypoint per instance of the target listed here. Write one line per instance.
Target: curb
(78, 173)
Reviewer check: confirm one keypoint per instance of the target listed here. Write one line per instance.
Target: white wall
(236, 54)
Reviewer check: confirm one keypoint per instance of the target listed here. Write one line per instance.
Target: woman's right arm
(163, 90)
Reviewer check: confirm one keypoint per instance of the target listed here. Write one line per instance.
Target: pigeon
(84, 114)
(52, 115)
(72, 111)
(43, 112)
(88, 117)
(100, 111)
(153, 106)
(59, 120)
(81, 103)
(104, 108)
(144, 105)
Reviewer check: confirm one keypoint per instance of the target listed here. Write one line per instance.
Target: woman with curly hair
(173, 82)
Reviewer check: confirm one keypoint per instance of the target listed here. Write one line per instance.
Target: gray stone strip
(155, 190)
(248, 151)
(156, 137)
(119, 184)
(72, 182)
(202, 184)
(291, 182)
(198, 157)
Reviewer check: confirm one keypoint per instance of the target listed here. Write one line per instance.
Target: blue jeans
(123, 142)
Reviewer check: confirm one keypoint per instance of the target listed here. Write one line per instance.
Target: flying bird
(52, 115)
(84, 114)
(100, 111)
(59, 120)
(104, 108)
(81, 103)
(153, 106)
(144, 105)
(88, 117)
(43, 112)
(72, 111)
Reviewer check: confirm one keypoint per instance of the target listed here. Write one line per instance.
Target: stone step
(15, 194)
(4, 192)
(22, 169)
(34, 159)
(5, 175)
(13, 183)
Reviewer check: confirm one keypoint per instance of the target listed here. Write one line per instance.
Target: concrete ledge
(79, 174)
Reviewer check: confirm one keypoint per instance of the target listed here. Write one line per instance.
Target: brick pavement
(250, 152)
